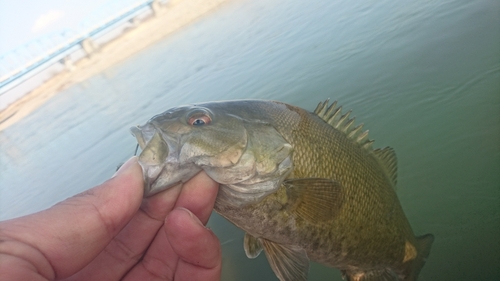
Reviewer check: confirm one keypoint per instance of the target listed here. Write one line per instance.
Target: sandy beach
(174, 16)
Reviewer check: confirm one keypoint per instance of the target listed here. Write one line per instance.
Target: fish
(304, 186)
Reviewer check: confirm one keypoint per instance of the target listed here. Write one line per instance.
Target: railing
(58, 52)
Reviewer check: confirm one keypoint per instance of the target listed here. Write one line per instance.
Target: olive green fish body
(306, 186)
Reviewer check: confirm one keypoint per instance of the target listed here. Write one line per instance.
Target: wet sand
(174, 16)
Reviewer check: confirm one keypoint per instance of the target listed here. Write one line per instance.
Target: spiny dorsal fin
(332, 115)
(387, 158)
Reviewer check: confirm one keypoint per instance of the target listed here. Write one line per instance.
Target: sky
(21, 22)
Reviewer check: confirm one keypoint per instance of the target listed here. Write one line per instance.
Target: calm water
(424, 77)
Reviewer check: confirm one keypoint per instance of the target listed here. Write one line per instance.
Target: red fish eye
(199, 120)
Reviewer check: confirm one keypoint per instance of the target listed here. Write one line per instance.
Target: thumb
(73, 232)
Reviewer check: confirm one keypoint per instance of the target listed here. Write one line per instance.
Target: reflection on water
(423, 77)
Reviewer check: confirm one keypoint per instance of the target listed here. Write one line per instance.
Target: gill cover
(265, 163)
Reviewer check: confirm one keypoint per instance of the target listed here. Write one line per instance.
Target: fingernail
(195, 218)
(126, 166)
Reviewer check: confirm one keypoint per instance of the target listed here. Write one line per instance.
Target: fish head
(177, 144)
(245, 155)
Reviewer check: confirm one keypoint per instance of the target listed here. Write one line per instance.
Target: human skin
(110, 232)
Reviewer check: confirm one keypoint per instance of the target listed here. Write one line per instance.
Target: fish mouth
(151, 181)
(152, 157)
(161, 168)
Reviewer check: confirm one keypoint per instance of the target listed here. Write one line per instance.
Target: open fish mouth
(160, 166)
(154, 151)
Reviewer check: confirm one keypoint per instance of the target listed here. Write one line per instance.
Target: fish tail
(424, 244)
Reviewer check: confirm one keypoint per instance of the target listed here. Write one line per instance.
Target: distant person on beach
(110, 232)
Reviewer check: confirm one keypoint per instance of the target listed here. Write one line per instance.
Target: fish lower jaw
(151, 183)
(150, 188)
(158, 183)
(154, 188)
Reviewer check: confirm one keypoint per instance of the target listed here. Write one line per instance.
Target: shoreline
(174, 16)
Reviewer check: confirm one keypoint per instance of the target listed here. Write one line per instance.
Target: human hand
(110, 232)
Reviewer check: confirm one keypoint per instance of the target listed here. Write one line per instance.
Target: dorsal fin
(332, 115)
(387, 158)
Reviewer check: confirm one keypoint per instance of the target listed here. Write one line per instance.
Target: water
(423, 76)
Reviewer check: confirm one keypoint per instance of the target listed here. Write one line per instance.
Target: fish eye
(199, 119)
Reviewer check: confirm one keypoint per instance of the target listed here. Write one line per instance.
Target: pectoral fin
(314, 199)
(289, 262)
(252, 246)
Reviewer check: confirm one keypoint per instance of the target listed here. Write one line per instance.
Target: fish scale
(320, 191)
(327, 166)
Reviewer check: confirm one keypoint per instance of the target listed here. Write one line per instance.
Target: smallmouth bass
(303, 185)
